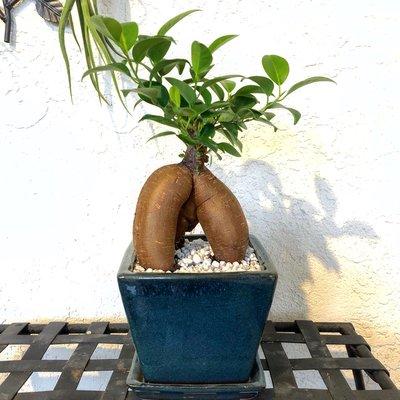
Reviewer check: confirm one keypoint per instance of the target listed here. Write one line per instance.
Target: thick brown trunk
(173, 200)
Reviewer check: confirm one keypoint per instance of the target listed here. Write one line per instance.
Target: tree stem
(195, 158)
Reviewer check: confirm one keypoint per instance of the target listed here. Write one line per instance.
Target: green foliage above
(203, 111)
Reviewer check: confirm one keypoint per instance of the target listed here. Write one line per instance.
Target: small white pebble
(196, 259)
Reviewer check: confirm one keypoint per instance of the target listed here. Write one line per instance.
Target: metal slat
(11, 385)
(278, 363)
(333, 379)
(75, 367)
(116, 388)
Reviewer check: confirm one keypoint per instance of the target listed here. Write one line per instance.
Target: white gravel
(196, 256)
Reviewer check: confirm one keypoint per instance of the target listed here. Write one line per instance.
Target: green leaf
(231, 132)
(227, 116)
(155, 94)
(217, 90)
(217, 43)
(307, 81)
(165, 66)
(186, 91)
(265, 84)
(141, 48)
(157, 52)
(201, 57)
(65, 17)
(210, 82)
(228, 148)
(248, 89)
(276, 67)
(247, 101)
(187, 139)
(116, 67)
(159, 119)
(130, 31)
(228, 85)
(205, 94)
(296, 114)
(175, 96)
(208, 130)
(107, 26)
(166, 133)
(173, 21)
(126, 92)
(208, 142)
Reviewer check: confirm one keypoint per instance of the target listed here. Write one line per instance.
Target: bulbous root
(172, 201)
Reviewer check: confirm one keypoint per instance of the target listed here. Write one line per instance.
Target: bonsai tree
(207, 113)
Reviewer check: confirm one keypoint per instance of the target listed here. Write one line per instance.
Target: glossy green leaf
(217, 43)
(116, 67)
(207, 130)
(247, 101)
(156, 94)
(295, 113)
(228, 148)
(217, 90)
(186, 91)
(248, 89)
(141, 48)
(276, 67)
(130, 31)
(107, 26)
(228, 85)
(208, 142)
(226, 116)
(231, 132)
(210, 82)
(175, 96)
(187, 139)
(201, 57)
(158, 135)
(173, 21)
(265, 84)
(159, 119)
(308, 81)
(205, 94)
(163, 67)
(158, 52)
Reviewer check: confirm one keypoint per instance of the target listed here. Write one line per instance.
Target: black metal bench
(282, 369)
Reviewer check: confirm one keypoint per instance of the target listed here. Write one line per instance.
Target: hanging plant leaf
(2, 15)
(50, 10)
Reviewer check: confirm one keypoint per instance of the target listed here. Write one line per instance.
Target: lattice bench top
(319, 341)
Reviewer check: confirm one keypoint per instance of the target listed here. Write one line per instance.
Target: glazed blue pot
(197, 328)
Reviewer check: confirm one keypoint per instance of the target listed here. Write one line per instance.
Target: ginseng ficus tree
(207, 113)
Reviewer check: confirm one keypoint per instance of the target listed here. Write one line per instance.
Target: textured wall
(322, 196)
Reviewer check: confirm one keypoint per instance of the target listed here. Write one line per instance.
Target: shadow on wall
(293, 231)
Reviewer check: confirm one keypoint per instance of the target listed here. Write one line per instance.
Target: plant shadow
(292, 230)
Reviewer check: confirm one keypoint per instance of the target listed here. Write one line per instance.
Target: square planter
(197, 328)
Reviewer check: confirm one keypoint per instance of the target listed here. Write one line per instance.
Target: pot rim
(263, 258)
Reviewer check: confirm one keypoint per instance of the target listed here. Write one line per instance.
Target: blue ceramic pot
(197, 328)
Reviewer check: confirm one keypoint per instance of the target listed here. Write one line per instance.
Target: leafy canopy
(205, 112)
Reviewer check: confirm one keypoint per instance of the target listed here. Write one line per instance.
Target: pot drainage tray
(214, 391)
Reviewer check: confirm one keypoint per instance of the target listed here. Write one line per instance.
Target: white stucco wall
(322, 196)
